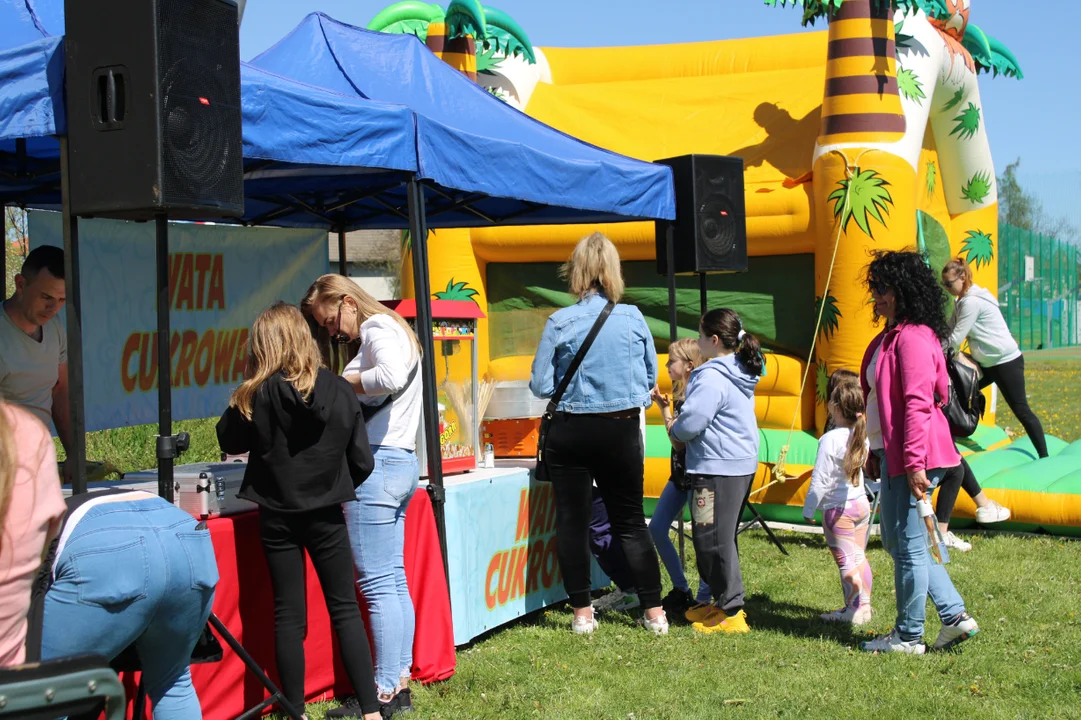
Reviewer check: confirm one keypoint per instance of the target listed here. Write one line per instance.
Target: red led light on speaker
(203, 101)
(724, 213)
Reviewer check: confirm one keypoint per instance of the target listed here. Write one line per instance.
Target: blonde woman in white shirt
(385, 372)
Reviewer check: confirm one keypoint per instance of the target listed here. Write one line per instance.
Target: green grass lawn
(1053, 384)
(1025, 663)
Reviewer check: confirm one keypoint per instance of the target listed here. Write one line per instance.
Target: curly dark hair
(920, 298)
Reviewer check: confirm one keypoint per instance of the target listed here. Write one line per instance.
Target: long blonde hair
(847, 397)
(687, 350)
(9, 461)
(332, 289)
(594, 265)
(279, 342)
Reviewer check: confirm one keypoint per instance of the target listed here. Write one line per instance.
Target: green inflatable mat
(802, 449)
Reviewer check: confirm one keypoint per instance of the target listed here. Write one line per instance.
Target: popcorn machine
(461, 399)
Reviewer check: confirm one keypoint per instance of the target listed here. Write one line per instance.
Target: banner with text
(501, 550)
(220, 277)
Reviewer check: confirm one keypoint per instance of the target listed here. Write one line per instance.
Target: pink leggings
(846, 533)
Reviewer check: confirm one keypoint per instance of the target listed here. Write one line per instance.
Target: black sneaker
(350, 708)
(405, 701)
(677, 602)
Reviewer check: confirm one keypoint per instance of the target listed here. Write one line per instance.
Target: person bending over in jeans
(594, 435)
(307, 448)
(130, 568)
(719, 428)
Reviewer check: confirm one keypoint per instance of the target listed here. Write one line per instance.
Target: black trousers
(581, 450)
(1010, 379)
(323, 534)
(955, 479)
(716, 504)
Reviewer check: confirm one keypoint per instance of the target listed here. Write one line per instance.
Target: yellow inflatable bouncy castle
(868, 135)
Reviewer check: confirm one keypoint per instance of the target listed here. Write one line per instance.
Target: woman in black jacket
(308, 451)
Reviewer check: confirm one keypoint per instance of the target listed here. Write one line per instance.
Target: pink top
(909, 373)
(36, 502)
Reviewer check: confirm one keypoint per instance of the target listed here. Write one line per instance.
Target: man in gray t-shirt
(33, 343)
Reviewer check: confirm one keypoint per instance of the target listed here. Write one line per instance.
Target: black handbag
(541, 472)
(966, 404)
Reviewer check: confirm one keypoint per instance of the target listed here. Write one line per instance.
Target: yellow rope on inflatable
(779, 475)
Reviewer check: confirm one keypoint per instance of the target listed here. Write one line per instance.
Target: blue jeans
(376, 525)
(135, 572)
(669, 505)
(915, 573)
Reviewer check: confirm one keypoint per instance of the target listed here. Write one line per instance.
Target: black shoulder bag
(966, 404)
(541, 473)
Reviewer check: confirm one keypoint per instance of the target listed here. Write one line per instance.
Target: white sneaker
(951, 635)
(993, 513)
(853, 616)
(584, 625)
(955, 543)
(892, 642)
(658, 626)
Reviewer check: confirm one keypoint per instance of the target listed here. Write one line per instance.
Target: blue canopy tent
(506, 167)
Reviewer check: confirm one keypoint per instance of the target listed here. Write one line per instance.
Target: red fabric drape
(243, 602)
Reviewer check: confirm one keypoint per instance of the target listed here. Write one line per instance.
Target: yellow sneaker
(717, 621)
(699, 612)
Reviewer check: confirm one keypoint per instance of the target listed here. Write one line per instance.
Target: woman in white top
(977, 318)
(385, 372)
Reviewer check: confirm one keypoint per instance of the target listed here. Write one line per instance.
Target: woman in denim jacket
(594, 435)
(904, 378)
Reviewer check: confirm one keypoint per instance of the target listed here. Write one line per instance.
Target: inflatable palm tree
(470, 37)
(900, 82)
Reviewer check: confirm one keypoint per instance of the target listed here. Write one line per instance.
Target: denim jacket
(617, 372)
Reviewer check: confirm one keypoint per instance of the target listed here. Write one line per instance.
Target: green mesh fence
(1038, 288)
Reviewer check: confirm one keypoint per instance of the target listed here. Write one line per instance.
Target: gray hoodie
(717, 420)
(977, 318)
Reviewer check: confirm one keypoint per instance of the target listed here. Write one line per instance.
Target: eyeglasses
(878, 287)
(949, 283)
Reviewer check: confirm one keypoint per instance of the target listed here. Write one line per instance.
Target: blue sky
(1036, 119)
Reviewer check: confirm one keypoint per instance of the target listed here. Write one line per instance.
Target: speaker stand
(758, 520)
(276, 696)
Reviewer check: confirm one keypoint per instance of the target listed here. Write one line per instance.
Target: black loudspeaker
(153, 108)
(710, 230)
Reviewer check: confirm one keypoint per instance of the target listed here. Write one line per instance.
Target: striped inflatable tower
(858, 156)
(460, 52)
(861, 103)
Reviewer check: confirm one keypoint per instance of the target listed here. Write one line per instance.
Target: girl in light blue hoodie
(720, 431)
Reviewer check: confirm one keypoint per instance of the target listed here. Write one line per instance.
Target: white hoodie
(976, 316)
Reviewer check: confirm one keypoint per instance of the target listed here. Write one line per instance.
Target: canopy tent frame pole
(76, 450)
(343, 264)
(418, 234)
(673, 332)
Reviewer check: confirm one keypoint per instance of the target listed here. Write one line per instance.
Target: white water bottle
(936, 544)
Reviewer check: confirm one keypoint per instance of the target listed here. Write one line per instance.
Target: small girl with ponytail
(837, 488)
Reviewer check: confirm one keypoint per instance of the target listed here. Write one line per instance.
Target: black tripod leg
(758, 520)
(139, 709)
(275, 693)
